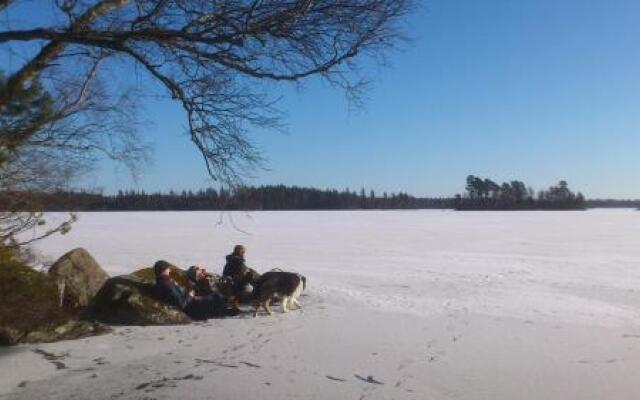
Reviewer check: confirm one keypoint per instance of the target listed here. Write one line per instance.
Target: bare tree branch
(215, 58)
(59, 144)
(53, 49)
(5, 3)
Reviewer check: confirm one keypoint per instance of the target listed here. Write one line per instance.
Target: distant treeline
(613, 203)
(485, 194)
(482, 194)
(246, 198)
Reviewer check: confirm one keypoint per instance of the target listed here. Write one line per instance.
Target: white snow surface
(433, 304)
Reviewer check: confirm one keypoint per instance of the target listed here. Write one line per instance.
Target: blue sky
(536, 90)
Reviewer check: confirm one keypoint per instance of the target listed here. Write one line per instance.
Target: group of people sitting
(208, 296)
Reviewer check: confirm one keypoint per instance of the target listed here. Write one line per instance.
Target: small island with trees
(485, 194)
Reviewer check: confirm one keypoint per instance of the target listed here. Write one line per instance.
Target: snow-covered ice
(432, 304)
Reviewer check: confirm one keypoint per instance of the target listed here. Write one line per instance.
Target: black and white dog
(286, 285)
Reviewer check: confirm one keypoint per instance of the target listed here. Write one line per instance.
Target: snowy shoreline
(423, 304)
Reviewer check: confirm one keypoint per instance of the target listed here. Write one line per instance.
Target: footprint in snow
(368, 379)
(248, 364)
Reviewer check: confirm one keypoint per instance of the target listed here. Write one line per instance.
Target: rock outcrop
(131, 300)
(78, 276)
(30, 311)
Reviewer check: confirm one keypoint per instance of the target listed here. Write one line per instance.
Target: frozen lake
(428, 304)
(578, 265)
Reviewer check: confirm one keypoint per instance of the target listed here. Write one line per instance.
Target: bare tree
(212, 56)
(49, 138)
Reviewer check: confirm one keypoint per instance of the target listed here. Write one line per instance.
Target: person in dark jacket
(237, 272)
(207, 290)
(238, 276)
(235, 267)
(169, 289)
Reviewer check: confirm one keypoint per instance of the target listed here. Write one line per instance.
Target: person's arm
(179, 297)
(184, 297)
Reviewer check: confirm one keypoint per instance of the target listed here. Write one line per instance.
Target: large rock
(79, 277)
(30, 310)
(130, 300)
